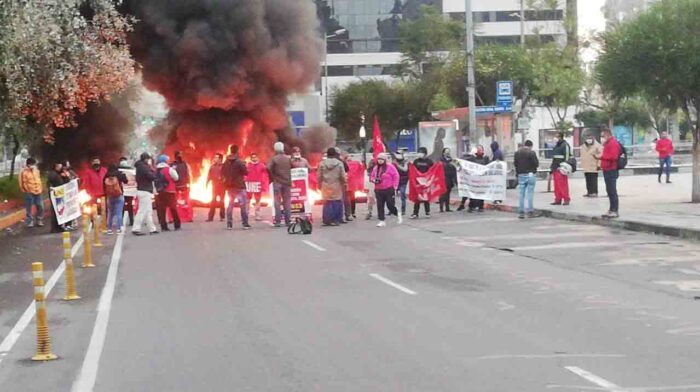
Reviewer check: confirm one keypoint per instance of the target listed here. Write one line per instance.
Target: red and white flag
(377, 140)
(428, 186)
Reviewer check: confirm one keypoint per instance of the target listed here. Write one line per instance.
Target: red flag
(377, 141)
(428, 186)
(356, 176)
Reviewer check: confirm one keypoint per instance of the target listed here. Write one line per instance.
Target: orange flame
(199, 189)
(83, 197)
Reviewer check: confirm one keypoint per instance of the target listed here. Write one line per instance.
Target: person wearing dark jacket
(560, 154)
(183, 172)
(233, 174)
(218, 189)
(481, 159)
(450, 179)
(114, 190)
(496, 152)
(526, 165)
(402, 167)
(280, 170)
(422, 164)
(56, 178)
(145, 175)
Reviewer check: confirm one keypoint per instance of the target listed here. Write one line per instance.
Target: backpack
(160, 182)
(301, 225)
(112, 187)
(622, 159)
(572, 159)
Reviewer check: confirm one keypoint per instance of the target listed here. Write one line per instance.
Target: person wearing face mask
(30, 184)
(385, 178)
(218, 189)
(608, 163)
(402, 168)
(422, 164)
(664, 147)
(145, 175)
(560, 154)
(94, 178)
(257, 182)
(56, 178)
(480, 158)
(590, 164)
(450, 179)
(297, 160)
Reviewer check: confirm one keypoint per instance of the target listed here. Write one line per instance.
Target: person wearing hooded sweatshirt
(331, 181)
(560, 154)
(145, 175)
(166, 178)
(480, 158)
(422, 164)
(385, 178)
(402, 168)
(114, 189)
(31, 186)
(280, 170)
(590, 164)
(233, 173)
(450, 179)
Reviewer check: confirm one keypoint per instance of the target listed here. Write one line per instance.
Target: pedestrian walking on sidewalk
(331, 181)
(608, 163)
(145, 175)
(280, 170)
(422, 164)
(590, 164)
(480, 158)
(114, 190)
(526, 165)
(233, 174)
(166, 199)
(385, 178)
(450, 179)
(31, 186)
(560, 155)
(664, 147)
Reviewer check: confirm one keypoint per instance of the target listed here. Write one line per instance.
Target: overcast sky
(590, 19)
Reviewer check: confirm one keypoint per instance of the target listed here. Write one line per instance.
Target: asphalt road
(460, 302)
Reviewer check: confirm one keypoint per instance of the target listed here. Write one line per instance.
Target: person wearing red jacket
(257, 182)
(664, 147)
(608, 163)
(93, 181)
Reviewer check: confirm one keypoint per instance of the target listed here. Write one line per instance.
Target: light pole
(325, 63)
(471, 82)
(363, 140)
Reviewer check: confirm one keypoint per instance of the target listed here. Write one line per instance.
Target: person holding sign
(257, 183)
(56, 178)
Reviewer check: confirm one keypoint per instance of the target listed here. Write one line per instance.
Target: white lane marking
(28, 314)
(599, 381)
(311, 244)
(569, 227)
(503, 306)
(393, 284)
(682, 285)
(85, 381)
(568, 245)
(673, 388)
(531, 236)
(548, 356)
(660, 260)
(470, 221)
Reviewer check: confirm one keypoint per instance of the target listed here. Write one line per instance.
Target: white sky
(590, 20)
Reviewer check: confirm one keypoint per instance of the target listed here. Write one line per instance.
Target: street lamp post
(325, 63)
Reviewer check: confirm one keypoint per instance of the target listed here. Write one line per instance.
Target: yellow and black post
(96, 230)
(43, 341)
(71, 292)
(87, 247)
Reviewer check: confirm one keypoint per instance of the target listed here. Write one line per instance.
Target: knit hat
(163, 158)
(383, 156)
(279, 147)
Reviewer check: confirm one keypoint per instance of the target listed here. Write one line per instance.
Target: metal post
(471, 82)
(325, 71)
(522, 23)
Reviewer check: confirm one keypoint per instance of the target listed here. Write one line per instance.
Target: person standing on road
(182, 184)
(496, 152)
(280, 170)
(664, 147)
(70, 175)
(258, 183)
(30, 185)
(128, 198)
(560, 154)
(371, 199)
(218, 196)
(331, 181)
(480, 158)
(56, 178)
(385, 178)
(590, 164)
(298, 162)
(94, 179)
(350, 200)
(450, 179)
(166, 180)
(608, 163)
(422, 164)
(526, 165)
(233, 173)
(402, 168)
(114, 189)
(145, 175)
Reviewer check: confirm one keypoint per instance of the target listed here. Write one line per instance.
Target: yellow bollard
(87, 255)
(96, 230)
(71, 292)
(103, 215)
(43, 341)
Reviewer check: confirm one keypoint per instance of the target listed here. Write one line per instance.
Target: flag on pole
(377, 141)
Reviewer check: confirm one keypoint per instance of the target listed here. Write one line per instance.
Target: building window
(339, 70)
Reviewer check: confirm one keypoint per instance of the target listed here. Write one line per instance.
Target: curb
(12, 219)
(641, 227)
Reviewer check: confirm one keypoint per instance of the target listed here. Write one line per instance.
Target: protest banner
(300, 192)
(482, 182)
(428, 186)
(130, 186)
(65, 202)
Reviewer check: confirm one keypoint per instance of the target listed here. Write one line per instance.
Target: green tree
(658, 56)
(369, 97)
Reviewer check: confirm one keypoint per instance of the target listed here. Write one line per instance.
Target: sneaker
(335, 224)
(349, 218)
(369, 216)
(460, 208)
(587, 195)
(278, 225)
(210, 220)
(556, 203)
(399, 219)
(521, 216)
(427, 215)
(566, 203)
(229, 226)
(414, 216)
(471, 210)
(138, 233)
(120, 231)
(343, 222)
(40, 223)
(154, 232)
(668, 182)
(247, 227)
(530, 214)
(110, 232)
(30, 224)
(381, 224)
(258, 218)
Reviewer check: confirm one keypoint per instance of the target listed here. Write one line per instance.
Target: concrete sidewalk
(645, 205)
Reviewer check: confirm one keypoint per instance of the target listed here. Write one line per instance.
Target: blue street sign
(494, 109)
(504, 92)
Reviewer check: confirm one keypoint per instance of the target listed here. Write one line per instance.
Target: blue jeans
(402, 195)
(526, 186)
(242, 196)
(665, 166)
(283, 198)
(611, 187)
(115, 209)
(31, 200)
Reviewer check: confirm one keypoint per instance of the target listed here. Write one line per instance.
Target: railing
(639, 154)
